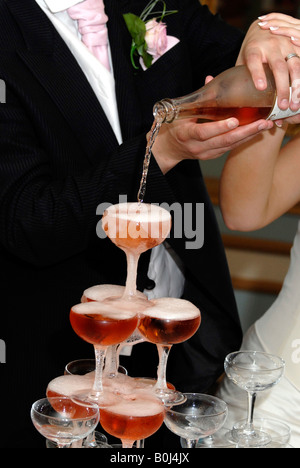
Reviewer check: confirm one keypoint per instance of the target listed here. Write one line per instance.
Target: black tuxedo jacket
(59, 159)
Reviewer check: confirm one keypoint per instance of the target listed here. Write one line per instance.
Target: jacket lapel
(51, 62)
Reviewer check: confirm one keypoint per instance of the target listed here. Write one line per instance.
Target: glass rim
(110, 311)
(136, 204)
(90, 405)
(90, 361)
(280, 361)
(208, 397)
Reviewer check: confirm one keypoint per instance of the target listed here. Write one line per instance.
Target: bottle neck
(165, 111)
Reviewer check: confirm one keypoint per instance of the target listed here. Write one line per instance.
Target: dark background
(242, 13)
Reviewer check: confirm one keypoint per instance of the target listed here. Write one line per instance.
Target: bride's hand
(282, 25)
(289, 28)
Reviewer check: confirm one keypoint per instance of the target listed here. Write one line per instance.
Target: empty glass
(253, 372)
(279, 432)
(63, 421)
(198, 417)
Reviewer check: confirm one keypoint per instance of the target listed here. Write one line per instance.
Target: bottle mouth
(164, 111)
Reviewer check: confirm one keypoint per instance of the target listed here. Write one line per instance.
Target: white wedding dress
(277, 332)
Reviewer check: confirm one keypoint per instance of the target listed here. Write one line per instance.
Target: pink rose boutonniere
(149, 36)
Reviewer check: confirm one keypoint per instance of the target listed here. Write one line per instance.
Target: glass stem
(132, 265)
(191, 443)
(127, 444)
(100, 358)
(163, 353)
(111, 362)
(251, 405)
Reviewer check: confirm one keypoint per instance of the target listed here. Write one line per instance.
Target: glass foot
(170, 397)
(218, 440)
(103, 400)
(244, 436)
(273, 429)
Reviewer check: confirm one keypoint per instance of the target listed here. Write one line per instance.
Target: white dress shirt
(100, 79)
(163, 269)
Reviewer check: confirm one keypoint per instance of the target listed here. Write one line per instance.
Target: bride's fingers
(284, 29)
(275, 25)
(296, 40)
(293, 33)
(279, 17)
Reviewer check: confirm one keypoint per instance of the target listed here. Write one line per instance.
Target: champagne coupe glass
(253, 372)
(102, 325)
(115, 293)
(74, 383)
(133, 418)
(135, 228)
(64, 421)
(167, 322)
(71, 386)
(199, 416)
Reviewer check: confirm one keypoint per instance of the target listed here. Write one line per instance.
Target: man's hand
(260, 46)
(187, 139)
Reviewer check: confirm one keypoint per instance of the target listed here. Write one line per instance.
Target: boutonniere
(149, 33)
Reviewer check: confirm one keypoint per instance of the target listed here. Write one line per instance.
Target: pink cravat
(92, 21)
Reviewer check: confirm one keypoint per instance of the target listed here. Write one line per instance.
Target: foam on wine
(68, 385)
(172, 309)
(139, 212)
(137, 406)
(107, 310)
(100, 292)
(136, 226)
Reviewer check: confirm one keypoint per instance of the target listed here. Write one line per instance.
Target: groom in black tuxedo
(60, 159)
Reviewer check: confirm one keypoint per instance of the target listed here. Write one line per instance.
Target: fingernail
(262, 126)
(285, 103)
(262, 17)
(232, 123)
(261, 84)
(263, 24)
(294, 39)
(274, 28)
(279, 124)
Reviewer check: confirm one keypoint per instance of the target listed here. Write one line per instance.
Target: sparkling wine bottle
(231, 94)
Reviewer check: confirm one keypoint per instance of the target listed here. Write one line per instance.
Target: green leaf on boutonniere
(147, 58)
(136, 27)
(137, 30)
